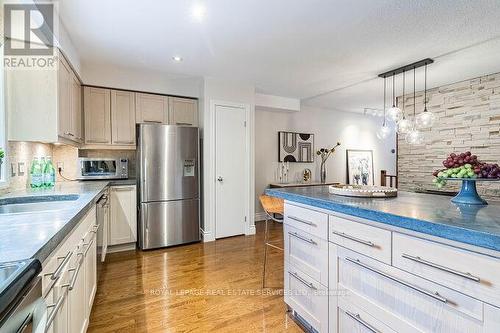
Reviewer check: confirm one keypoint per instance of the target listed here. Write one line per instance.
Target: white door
(230, 170)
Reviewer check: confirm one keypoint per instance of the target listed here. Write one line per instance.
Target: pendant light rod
(414, 98)
(384, 99)
(393, 91)
(406, 68)
(404, 83)
(425, 89)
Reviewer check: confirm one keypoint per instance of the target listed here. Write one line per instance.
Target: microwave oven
(102, 168)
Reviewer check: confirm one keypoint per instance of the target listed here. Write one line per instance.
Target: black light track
(406, 68)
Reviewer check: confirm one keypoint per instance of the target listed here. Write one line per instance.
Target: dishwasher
(103, 226)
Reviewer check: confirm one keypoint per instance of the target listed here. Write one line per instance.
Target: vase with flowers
(325, 154)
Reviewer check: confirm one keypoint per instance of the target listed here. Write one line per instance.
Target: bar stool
(271, 206)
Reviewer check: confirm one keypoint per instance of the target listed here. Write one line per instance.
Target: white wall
(352, 130)
(141, 80)
(233, 92)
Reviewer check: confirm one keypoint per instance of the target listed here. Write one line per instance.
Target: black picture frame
(300, 150)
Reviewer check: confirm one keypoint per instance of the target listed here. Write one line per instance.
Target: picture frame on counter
(360, 167)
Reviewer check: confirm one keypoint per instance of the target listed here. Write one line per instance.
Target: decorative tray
(363, 191)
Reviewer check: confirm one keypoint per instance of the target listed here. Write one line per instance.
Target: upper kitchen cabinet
(151, 108)
(122, 117)
(97, 109)
(183, 111)
(44, 104)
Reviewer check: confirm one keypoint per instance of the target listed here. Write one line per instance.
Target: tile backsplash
(24, 152)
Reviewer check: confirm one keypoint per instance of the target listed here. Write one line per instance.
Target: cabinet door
(97, 115)
(76, 292)
(123, 226)
(64, 99)
(183, 111)
(123, 117)
(61, 319)
(76, 109)
(151, 108)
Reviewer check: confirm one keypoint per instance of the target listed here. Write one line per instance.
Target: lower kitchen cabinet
(69, 279)
(380, 280)
(123, 222)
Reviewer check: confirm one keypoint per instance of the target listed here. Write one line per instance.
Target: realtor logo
(30, 32)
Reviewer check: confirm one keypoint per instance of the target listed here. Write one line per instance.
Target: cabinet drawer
(470, 273)
(308, 220)
(307, 297)
(308, 252)
(402, 299)
(353, 319)
(371, 241)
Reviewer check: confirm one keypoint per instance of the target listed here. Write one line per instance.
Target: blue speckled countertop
(426, 213)
(36, 235)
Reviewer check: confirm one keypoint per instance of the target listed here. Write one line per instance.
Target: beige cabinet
(183, 111)
(97, 108)
(123, 117)
(76, 112)
(41, 104)
(151, 108)
(123, 224)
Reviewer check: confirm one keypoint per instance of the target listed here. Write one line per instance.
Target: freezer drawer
(169, 223)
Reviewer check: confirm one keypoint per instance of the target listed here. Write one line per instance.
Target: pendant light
(425, 119)
(384, 131)
(394, 113)
(414, 137)
(404, 125)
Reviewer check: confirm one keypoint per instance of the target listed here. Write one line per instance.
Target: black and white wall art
(360, 167)
(296, 147)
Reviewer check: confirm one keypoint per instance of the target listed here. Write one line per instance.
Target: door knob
(220, 178)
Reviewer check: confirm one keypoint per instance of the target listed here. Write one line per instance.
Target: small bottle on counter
(36, 174)
(49, 173)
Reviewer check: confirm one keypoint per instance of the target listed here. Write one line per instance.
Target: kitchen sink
(7, 270)
(36, 204)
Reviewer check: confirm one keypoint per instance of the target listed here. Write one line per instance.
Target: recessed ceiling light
(198, 11)
(177, 58)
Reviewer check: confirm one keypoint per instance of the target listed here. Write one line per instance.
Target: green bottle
(36, 174)
(49, 173)
(42, 166)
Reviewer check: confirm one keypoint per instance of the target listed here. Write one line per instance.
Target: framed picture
(295, 147)
(360, 167)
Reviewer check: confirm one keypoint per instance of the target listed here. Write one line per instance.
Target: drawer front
(470, 273)
(307, 297)
(308, 220)
(403, 299)
(308, 252)
(371, 241)
(353, 319)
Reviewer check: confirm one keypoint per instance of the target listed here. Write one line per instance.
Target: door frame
(249, 227)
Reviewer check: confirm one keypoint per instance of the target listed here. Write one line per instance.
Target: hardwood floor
(203, 287)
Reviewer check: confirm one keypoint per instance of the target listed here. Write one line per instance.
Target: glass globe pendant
(384, 131)
(394, 113)
(404, 125)
(425, 119)
(415, 137)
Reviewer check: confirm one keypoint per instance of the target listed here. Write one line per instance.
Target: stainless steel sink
(36, 204)
(9, 269)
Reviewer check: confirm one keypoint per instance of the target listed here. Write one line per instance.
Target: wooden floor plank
(202, 287)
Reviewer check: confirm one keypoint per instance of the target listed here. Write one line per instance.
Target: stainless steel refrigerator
(168, 185)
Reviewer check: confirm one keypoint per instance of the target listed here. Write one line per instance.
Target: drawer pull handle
(434, 295)
(301, 221)
(76, 270)
(89, 245)
(308, 240)
(59, 268)
(53, 313)
(357, 318)
(304, 282)
(443, 268)
(183, 124)
(362, 241)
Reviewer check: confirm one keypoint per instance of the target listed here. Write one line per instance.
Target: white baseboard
(121, 247)
(207, 236)
(251, 229)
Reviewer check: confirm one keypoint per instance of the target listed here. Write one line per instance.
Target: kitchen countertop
(430, 214)
(35, 235)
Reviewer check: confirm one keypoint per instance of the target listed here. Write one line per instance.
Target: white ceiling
(293, 48)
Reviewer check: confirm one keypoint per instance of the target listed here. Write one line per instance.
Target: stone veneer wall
(468, 118)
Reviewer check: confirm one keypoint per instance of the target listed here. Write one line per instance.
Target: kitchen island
(412, 263)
